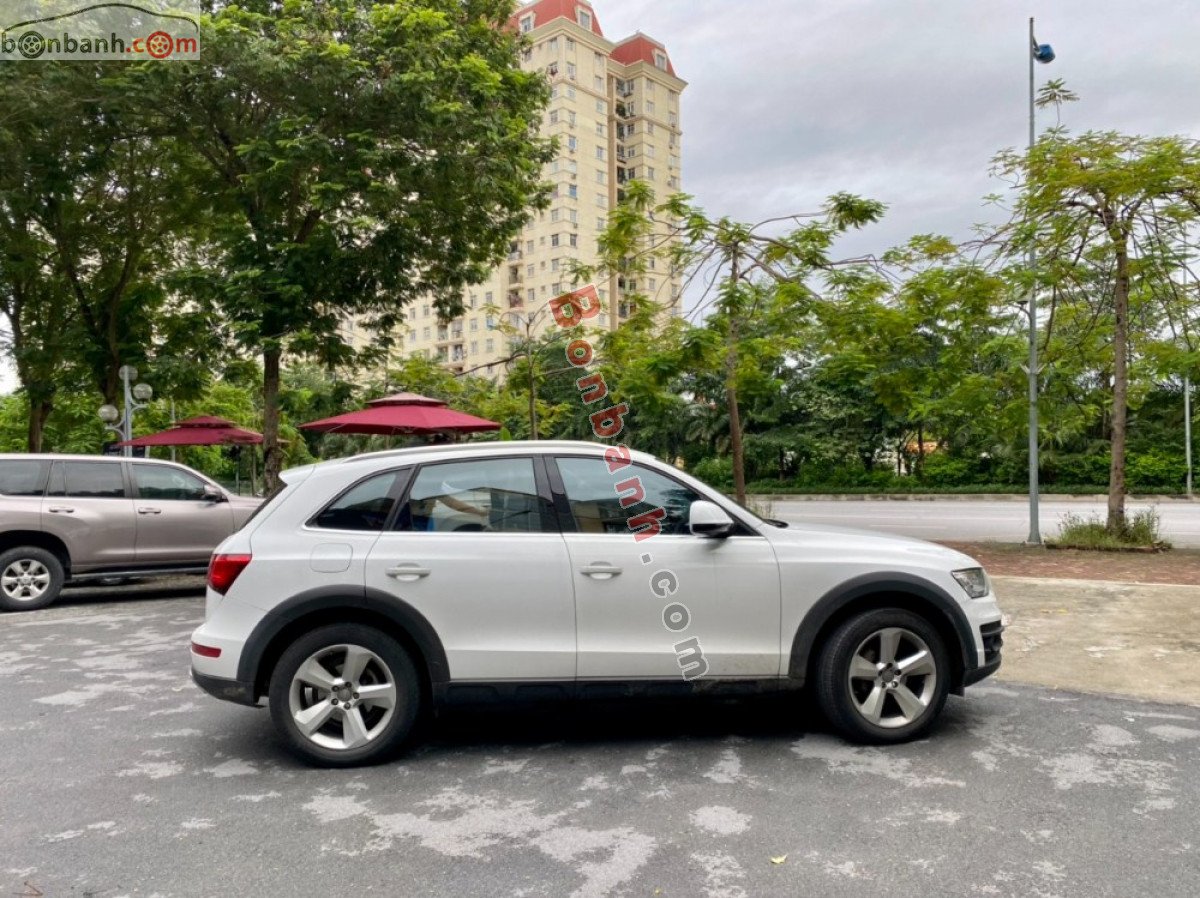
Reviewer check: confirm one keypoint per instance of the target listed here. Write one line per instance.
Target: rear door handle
(600, 570)
(149, 511)
(61, 509)
(407, 572)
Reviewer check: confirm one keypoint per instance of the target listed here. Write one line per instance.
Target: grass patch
(1142, 531)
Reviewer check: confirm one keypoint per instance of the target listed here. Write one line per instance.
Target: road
(974, 520)
(119, 777)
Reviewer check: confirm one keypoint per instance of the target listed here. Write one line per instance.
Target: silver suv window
(23, 477)
(87, 480)
(165, 482)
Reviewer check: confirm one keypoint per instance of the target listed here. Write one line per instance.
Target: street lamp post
(137, 396)
(1044, 54)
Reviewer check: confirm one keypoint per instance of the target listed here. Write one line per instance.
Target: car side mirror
(709, 520)
(212, 494)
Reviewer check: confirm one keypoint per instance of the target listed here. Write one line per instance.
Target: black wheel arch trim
(395, 610)
(841, 596)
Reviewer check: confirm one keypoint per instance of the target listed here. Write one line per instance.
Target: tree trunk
(731, 398)
(1116, 473)
(39, 412)
(272, 453)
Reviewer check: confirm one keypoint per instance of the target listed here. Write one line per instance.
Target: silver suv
(373, 589)
(76, 518)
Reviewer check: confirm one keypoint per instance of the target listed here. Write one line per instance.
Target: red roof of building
(640, 48)
(547, 10)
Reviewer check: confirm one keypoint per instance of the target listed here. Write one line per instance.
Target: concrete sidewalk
(1135, 639)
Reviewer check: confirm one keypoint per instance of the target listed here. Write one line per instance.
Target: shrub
(716, 472)
(1141, 531)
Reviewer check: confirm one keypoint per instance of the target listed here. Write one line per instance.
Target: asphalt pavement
(975, 520)
(119, 777)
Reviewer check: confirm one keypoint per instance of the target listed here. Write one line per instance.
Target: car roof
(76, 456)
(450, 451)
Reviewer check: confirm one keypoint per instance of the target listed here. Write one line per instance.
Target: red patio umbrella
(203, 430)
(403, 413)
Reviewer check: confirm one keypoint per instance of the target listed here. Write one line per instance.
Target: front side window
(488, 495)
(365, 506)
(23, 477)
(603, 502)
(87, 480)
(163, 482)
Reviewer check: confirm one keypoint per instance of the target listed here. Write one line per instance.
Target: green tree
(356, 155)
(1104, 208)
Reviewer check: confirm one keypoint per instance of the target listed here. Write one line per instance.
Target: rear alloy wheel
(883, 676)
(30, 578)
(344, 695)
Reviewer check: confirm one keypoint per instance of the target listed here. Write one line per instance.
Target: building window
(571, 118)
(554, 240)
(554, 116)
(570, 92)
(474, 324)
(650, 150)
(600, 153)
(425, 311)
(554, 92)
(487, 298)
(528, 249)
(425, 333)
(601, 201)
(573, 191)
(601, 177)
(573, 216)
(491, 345)
(554, 215)
(601, 107)
(474, 347)
(572, 143)
(552, 44)
(585, 19)
(649, 108)
(598, 82)
(490, 324)
(530, 270)
(598, 60)
(571, 70)
(554, 264)
(649, 127)
(574, 239)
(557, 288)
(649, 86)
(600, 224)
(527, 24)
(600, 129)
(650, 173)
(531, 294)
(570, 45)
(660, 60)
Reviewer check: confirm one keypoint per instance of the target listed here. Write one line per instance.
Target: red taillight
(224, 569)
(206, 651)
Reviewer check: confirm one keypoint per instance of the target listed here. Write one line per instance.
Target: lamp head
(1043, 53)
(108, 414)
(142, 392)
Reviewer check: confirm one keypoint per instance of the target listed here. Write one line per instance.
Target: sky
(903, 101)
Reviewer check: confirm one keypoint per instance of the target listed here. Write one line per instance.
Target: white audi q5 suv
(373, 589)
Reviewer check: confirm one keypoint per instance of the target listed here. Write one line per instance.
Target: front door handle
(409, 573)
(61, 509)
(149, 511)
(600, 570)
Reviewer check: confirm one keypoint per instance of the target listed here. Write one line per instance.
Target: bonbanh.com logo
(71, 30)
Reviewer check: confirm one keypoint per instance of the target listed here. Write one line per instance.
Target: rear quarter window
(23, 477)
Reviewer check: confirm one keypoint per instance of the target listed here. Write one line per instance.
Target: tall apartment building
(615, 110)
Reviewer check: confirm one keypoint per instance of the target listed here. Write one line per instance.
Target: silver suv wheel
(25, 580)
(892, 677)
(342, 697)
(30, 578)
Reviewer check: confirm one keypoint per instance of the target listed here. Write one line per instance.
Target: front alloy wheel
(344, 695)
(883, 676)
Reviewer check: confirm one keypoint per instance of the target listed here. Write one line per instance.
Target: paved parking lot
(118, 777)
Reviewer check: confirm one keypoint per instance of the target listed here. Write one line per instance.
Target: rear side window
(365, 506)
(87, 480)
(488, 495)
(23, 477)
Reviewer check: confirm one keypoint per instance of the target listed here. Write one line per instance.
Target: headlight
(974, 581)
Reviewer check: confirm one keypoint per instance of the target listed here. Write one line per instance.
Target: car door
(87, 505)
(672, 604)
(177, 523)
(476, 549)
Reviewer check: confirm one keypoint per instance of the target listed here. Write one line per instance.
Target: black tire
(839, 697)
(392, 663)
(30, 558)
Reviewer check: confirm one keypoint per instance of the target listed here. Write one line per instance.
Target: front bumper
(991, 635)
(228, 690)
